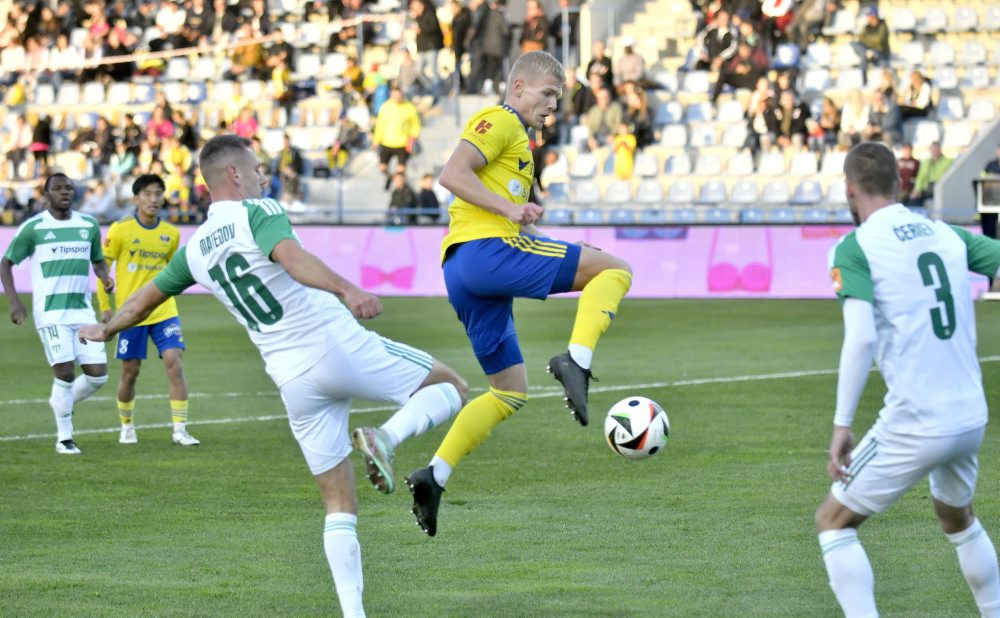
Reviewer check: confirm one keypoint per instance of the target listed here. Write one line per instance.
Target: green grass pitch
(542, 520)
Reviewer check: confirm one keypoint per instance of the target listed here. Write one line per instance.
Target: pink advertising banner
(668, 262)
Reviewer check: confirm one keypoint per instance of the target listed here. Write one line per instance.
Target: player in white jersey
(62, 245)
(904, 283)
(318, 355)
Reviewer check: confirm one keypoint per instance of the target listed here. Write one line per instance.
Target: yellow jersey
(138, 254)
(502, 137)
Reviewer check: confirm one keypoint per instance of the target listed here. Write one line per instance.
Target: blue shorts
(166, 335)
(484, 276)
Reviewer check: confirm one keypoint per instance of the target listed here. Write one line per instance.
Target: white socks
(850, 572)
(343, 552)
(978, 560)
(427, 408)
(84, 386)
(61, 401)
(441, 469)
(581, 355)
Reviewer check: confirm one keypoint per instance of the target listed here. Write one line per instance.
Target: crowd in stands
(750, 48)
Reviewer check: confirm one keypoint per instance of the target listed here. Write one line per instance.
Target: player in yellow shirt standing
(140, 247)
(493, 254)
(397, 128)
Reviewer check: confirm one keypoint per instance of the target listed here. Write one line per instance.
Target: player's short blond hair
(537, 63)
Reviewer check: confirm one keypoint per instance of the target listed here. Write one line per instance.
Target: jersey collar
(514, 111)
(146, 227)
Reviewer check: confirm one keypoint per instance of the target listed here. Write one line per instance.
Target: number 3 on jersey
(248, 289)
(932, 270)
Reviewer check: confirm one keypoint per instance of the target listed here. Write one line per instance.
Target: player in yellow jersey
(493, 253)
(140, 247)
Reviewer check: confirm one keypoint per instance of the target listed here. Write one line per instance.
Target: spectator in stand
(121, 164)
(759, 137)
(176, 158)
(884, 122)
(36, 56)
(827, 130)
(103, 145)
(917, 100)
(535, 28)
(41, 141)
(631, 67)
(740, 71)
(99, 202)
(908, 169)
(887, 84)
(787, 121)
(170, 20)
(133, 134)
(289, 166)
(397, 128)
(427, 200)
(159, 124)
(13, 208)
(623, 147)
(149, 151)
(603, 120)
(571, 105)
(245, 124)
(807, 20)
(853, 116)
(199, 22)
(717, 43)
(247, 59)
(461, 26)
(762, 90)
(872, 43)
(113, 48)
(570, 36)
(185, 131)
(63, 60)
(353, 74)
(259, 18)
(401, 198)
(776, 15)
(281, 50)
(494, 38)
(932, 169)
(92, 51)
(347, 36)
(280, 87)
(17, 146)
(430, 42)
(638, 116)
(600, 65)
(349, 140)
(235, 104)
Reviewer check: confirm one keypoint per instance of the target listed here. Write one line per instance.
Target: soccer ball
(636, 428)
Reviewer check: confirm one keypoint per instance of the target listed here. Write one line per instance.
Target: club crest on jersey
(517, 189)
(132, 267)
(483, 127)
(84, 234)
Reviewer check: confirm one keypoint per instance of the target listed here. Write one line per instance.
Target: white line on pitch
(541, 392)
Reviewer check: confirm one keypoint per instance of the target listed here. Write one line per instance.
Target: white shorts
(62, 345)
(318, 402)
(884, 465)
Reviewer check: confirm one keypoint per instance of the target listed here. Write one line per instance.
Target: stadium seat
(334, 64)
(744, 192)
(699, 112)
(68, 94)
(646, 165)
(254, 89)
(177, 69)
(618, 192)
(977, 77)
(578, 136)
(903, 19)
(842, 215)
(45, 94)
(590, 216)
(650, 191)
(697, 82)
(957, 135)
(786, 56)
(803, 164)
(719, 215)
(982, 110)
(775, 192)
(608, 168)
(950, 107)
(702, 134)
(845, 57)
(991, 20)
(735, 135)
(946, 78)
(843, 22)
(666, 80)
(730, 111)
(584, 192)
(310, 34)
(964, 19)
(118, 93)
(669, 112)
(940, 53)
(836, 193)
(652, 216)
(621, 216)
(974, 52)
(924, 132)
(678, 164)
(816, 81)
(680, 192)
(681, 216)
(818, 56)
(833, 163)
(712, 193)
(781, 215)
(771, 163)
(850, 79)
(751, 215)
(910, 55)
(740, 164)
(557, 216)
(558, 192)
(173, 92)
(585, 166)
(272, 141)
(674, 136)
(815, 215)
(308, 66)
(934, 20)
(707, 165)
(807, 192)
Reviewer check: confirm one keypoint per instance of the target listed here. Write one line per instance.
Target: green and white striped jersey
(292, 325)
(61, 253)
(915, 273)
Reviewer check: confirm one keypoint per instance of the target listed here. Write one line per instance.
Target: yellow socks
(125, 411)
(179, 410)
(598, 305)
(476, 420)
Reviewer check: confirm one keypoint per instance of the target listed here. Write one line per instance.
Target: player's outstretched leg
(377, 450)
(576, 384)
(426, 498)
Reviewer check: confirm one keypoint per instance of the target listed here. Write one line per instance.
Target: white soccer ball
(636, 428)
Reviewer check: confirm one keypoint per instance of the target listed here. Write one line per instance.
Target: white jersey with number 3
(915, 272)
(291, 324)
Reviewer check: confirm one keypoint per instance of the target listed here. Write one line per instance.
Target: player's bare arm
(134, 310)
(309, 270)
(17, 310)
(101, 270)
(459, 177)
